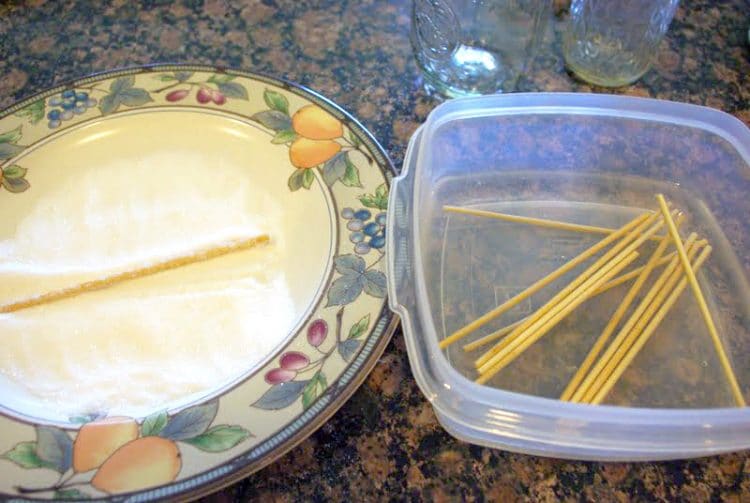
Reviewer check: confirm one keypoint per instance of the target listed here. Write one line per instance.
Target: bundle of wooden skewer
(609, 357)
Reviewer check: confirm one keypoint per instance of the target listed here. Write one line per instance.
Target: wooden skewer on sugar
(108, 281)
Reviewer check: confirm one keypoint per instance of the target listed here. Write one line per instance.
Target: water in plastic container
(486, 262)
(588, 159)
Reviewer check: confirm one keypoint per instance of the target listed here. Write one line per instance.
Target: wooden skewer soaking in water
(606, 360)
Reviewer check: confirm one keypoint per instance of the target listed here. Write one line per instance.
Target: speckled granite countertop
(385, 443)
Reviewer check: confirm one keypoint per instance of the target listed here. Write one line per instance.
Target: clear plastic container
(591, 159)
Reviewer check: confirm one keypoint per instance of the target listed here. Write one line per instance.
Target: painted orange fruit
(142, 463)
(314, 123)
(306, 153)
(97, 440)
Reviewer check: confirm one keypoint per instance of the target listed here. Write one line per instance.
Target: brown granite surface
(385, 443)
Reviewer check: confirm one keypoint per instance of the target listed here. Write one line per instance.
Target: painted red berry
(316, 332)
(178, 95)
(203, 96)
(219, 98)
(293, 360)
(278, 376)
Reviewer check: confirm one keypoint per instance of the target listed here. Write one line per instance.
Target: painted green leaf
(375, 284)
(354, 139)
(381, 191)
(310, 393)
(34, 112)
(122, 83)
(14, 171)
(351, 174)
(233, 90)
(349, 263)
(24, 455)
(183, 76)
(190, 422)
(109, 104)
(11, 136)
(166, 77)
(295, 180)
(273, 119)
(359, 328)
(315, 387)
(280, 395)
(220, 78)
(135, 97)
(349, 286)
(276, 101)
(219, 438)
(308, 177)
(284, 136)
(367, 201)
(71, 494)
(15, 185)
(154, 424)
(349, 348)
(345, 289)
(55, 447)
(377, 200)
(8, 150)
(334, 168)
(122, 92)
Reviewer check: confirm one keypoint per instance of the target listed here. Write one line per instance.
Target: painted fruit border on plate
(207, 445)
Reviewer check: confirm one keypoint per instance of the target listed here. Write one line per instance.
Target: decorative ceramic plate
(145, 354)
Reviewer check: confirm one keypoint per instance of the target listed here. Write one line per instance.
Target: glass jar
(469, 47)
(611, 43)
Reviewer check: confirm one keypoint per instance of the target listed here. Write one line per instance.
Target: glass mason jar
(469, 47)
(611, 43)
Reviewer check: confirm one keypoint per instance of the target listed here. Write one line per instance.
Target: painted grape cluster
(366, 231)
(67, 104)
